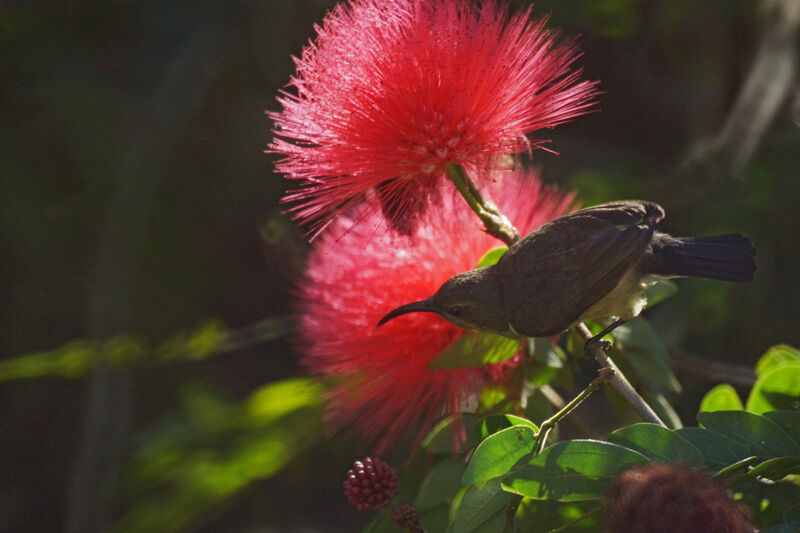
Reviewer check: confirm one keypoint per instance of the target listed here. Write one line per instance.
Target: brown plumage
(589, 264)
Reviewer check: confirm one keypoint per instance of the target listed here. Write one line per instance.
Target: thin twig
(618, 381)
(711, 370)
(548, 425)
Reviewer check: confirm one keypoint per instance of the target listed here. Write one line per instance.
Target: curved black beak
(425, 306)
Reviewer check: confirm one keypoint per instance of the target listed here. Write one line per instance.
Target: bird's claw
(603, 344)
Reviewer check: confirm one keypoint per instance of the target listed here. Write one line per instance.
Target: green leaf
(72, 360)
(721, 398)
(777, 388)
(272, 401)
(544, 352)
(479, 505)
(792, 513)
(206, 339)
(442, 438)
(440, 485)
(435, 519)
(776, 469)
(760, 435)
(789, 421)
(718, 450)
(659, 292)
(491, 424)
(663, 409)
(498, 454)
(646, 353)
(475, 348)
(572, 471)
(497, 523)
(657, 443)
(492, 256)
(777, 356)
(732, 471)
(786, 527)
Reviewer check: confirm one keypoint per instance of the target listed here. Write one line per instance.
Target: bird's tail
(728, 257)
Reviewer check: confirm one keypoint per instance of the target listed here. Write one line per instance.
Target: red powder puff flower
(393, 91)
(382, 386)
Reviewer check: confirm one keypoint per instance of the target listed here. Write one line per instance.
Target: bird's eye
(455, 310)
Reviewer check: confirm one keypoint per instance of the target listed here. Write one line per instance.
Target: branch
(618, 380)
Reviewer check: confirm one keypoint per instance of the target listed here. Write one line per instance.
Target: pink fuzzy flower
(393, 91)
(381, 385)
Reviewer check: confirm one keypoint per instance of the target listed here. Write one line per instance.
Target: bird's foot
(603, 344)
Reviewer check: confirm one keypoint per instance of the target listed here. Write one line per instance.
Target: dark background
(136, 197)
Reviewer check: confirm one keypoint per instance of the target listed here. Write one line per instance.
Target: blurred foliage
(191, 464)
(76, 358)
(103, 112)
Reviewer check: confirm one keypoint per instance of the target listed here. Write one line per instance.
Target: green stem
(548, 425)
(497, 225)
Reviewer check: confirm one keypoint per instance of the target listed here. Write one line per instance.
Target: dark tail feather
(725, 257)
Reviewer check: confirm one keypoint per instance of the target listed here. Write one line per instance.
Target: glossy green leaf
(498, 454)
(736, 470)
(777, 388)
(658, 443)
(478, 505)
(492, 256)
(572, 471)
(646, 353)
(760, 435)
(777, 356)
(721, 398)
(789, 421)
(475, 348)
(441, 483)
(718, 450)
(491, 424)
(776, 469)
(659, 292)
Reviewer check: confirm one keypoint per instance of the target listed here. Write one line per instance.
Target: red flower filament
(393, 91)
(381, 385)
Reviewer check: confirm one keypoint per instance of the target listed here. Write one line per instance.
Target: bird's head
(469, 300)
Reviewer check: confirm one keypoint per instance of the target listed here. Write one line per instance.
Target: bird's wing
(558, 271)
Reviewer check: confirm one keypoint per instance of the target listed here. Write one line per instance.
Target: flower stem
(548, 425)
(496, 223)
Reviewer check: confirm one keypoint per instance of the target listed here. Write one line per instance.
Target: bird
(590, 264)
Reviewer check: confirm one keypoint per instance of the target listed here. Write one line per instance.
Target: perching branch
(618, 380)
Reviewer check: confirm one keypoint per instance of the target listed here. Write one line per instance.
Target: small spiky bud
(370, 484)
(406, 516)
(668, 498)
